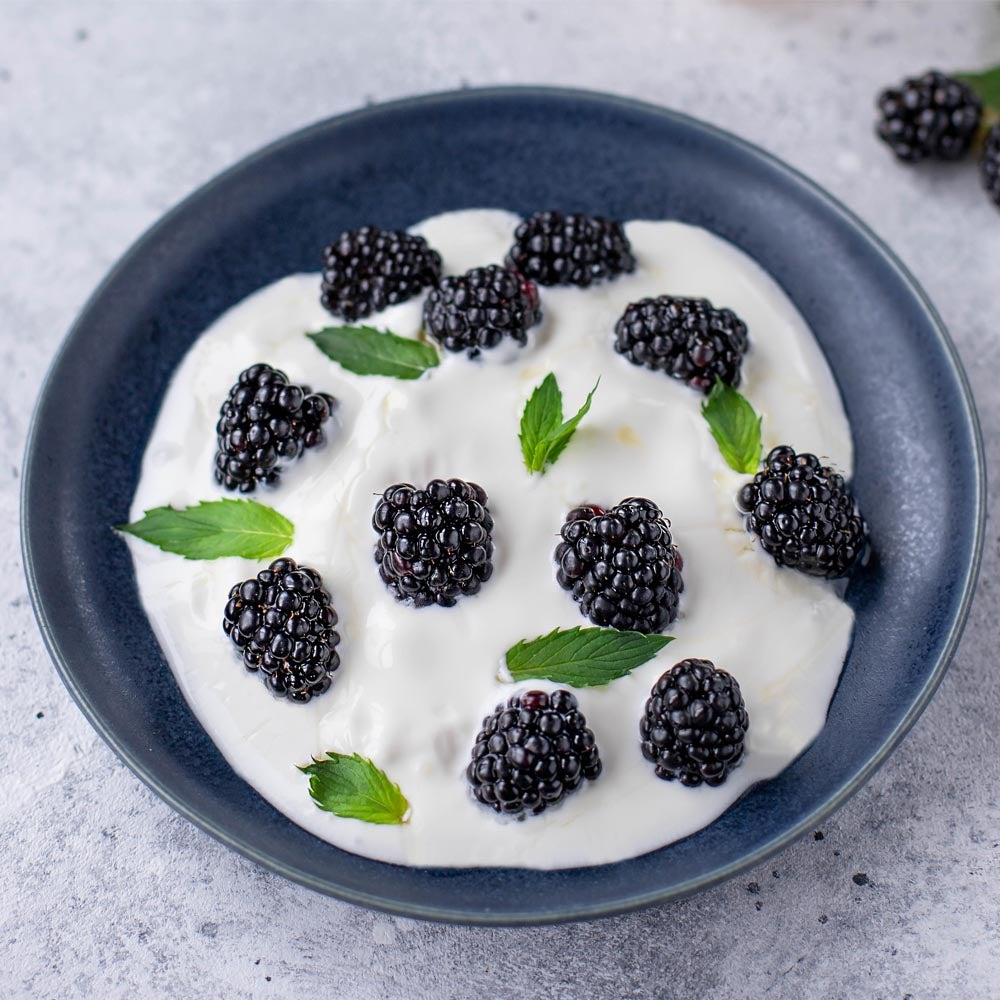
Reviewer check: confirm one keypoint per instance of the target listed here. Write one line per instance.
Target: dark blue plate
(920, 474)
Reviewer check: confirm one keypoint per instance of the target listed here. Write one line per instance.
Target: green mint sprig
(735, 427)
(582, 657)
(544, 434)
(352, 787)
(364, 350)
(214, 529)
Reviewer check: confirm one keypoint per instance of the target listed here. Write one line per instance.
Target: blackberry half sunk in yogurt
(688, 339)
(265, 423)
(368, 269)
(478, 310)
(694, 724)
(556, 248)
(621, 565)
(435, 544)
(804, 515)
(531, 753)
(282, 622)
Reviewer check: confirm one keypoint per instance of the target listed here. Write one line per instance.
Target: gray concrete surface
(110, 113)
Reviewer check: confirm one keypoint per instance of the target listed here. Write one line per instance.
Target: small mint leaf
(542, 414)
(214, 529)
(544, 434)
(986, 86)
(354, 788)
(735, 427)
(366, 351)
(582, 657)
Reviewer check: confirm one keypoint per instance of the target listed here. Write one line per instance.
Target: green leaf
(735, 427)
(366, 351)
(215, 528)
(542, 415)
(582, 657)
(986, 85)
(354, 788)
(544, 435)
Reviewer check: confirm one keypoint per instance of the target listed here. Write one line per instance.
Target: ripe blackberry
(531, 753)
(473, 312)
(694, 724)
(621, 565)
(804, 515)
(553, 248)
(266, 420)
(689, 339)
(989, 165)
(282, 621)
(367, 269)
(434, 544)
(930, 115)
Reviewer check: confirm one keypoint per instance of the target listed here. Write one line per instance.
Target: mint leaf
(354, 788)
(542, 415)
(215, 528)
(582, 657)
(366, 351)
(735, 427)
(986, 86)
(544, 435)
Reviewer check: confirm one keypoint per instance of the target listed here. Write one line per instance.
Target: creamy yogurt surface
(415, 684)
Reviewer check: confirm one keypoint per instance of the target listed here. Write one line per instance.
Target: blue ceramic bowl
(919, 475)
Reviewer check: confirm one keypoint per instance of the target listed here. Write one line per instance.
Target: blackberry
(282, 621)
(553, 248)
(989, 165)
(266, 420)
(621, 565)
(367, 269)
(688, 339)
(804, 515)
(474, 311)
(434, 544)
(694, 724)
(531, 753)
(933, 115)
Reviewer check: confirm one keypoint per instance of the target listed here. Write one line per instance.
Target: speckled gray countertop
(109, 114)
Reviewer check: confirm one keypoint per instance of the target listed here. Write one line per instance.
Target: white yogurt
(416, 683)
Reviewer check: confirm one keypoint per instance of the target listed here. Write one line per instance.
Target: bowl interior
(270, 215)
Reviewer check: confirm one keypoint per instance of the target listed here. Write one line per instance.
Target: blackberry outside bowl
(905, 393)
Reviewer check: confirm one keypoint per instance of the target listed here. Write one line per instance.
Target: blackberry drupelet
(553, 248)
(621, 565)
(367, 269)
(531, 753)
(688, 339)
(804, 515)
(434, 544)
(694, 724)
(933, 115)
(475, 311)
(266, 422)
(282, 621)
(989, 165)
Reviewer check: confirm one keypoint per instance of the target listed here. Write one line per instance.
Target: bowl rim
(32, 474)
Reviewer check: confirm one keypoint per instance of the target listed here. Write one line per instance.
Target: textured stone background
(109, 114)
